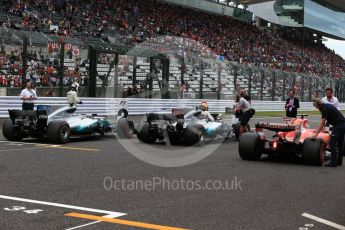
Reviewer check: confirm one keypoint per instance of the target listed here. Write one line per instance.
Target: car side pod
(313, 152)
(251, 146)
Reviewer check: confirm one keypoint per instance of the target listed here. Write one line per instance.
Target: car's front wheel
(195, 135)
(58, 132)
(125, 128)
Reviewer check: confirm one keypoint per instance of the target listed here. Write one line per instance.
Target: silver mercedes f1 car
(183, 127)
(58, 124)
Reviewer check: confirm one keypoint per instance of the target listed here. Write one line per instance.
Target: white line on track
(112, 214)
(92, 223)
(84, 225)
(323, 221)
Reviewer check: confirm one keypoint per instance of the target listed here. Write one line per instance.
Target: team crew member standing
(329, 99)
(28, 96)
(291, 105)
(244, 107)
(334, 117)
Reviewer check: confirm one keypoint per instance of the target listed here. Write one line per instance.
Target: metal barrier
(139, 106)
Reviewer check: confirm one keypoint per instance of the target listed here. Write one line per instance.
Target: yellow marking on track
(41, 145)
(66, 147)
(123, 222)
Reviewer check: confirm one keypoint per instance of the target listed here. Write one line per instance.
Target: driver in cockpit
(205, 114)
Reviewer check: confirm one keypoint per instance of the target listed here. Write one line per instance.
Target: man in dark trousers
(291, 105)
(334, 117)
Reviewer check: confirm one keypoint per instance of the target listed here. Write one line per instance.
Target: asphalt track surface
(59, 183)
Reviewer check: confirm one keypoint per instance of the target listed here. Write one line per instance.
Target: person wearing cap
(330, 99)
(334, 117)
(28, 96)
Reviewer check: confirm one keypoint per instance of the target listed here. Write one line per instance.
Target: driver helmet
(204, 106)
(75, 86)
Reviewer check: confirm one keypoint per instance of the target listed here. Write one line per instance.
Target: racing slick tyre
(313, 152)
(125, 128)
(173, 137)
(194, 135)
(58, 132)
(145, 134)
(123, 113)
(250, 147)
(9, 132)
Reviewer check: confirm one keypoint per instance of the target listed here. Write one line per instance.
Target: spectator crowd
(40, 70)
(134, 22)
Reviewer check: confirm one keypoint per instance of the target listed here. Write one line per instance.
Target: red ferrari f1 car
(292, 137)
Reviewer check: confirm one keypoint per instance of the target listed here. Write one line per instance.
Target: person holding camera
(28, 96)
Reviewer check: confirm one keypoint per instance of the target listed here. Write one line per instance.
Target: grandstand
(264, 60)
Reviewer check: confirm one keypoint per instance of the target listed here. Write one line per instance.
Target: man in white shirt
(28, 96)
(329, 99)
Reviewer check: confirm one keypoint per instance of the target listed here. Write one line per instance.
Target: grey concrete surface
(273, 195)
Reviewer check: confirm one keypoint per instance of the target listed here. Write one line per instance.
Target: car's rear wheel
(125, 128)
(251, 147)
(145, 134)
(313, 152)
(173, 137)
(9, 131)
(58, 132)
(195, 135)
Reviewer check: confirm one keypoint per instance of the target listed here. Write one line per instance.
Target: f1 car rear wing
(176, 113)
(276, 127)
(24, 116)
(15, 113)
(159, 117)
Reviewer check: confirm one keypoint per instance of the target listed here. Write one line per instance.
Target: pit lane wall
(140, 106)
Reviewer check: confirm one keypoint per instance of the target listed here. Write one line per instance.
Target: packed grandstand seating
(133, 23)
